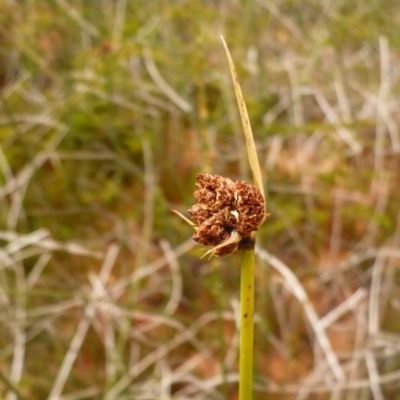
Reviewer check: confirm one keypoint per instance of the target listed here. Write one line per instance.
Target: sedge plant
(225, 217)
(246, 350)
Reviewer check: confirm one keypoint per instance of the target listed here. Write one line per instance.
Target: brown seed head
(224, 206)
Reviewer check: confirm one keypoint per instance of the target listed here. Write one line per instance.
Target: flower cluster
(224, 208)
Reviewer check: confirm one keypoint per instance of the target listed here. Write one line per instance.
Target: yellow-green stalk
(246, 321)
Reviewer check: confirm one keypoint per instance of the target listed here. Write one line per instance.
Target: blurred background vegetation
(108, 110)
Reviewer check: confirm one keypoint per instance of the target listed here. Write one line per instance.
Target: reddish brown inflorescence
(224, 206)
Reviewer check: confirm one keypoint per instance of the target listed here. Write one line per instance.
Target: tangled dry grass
(108, 110)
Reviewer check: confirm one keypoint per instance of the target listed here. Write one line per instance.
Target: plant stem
(246, 322)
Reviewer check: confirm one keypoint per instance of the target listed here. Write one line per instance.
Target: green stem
(246, 323)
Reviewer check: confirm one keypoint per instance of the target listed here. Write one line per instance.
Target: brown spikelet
(250, 206)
